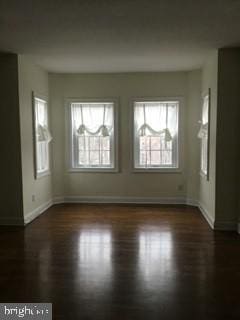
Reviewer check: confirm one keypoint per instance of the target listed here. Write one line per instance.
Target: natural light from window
(156, 134)
(92, 125)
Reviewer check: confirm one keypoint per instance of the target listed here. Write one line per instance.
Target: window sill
(43, 174)
(157, 170)
(93, 170)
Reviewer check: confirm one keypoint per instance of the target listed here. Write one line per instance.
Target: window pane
(143, 158)
(105, 143)
(166, 157)
(148, 158)
(205, 109)
(155, 143)
(154, 124)
(41, 112)
(145, 143)
(162, 143)
(93, 150)
(42, 156)
(105, 157)
(204, 140)
(87, 143)
(94, 143)
(41, 125)
(155, 157)
(94, 158)
(81, 143)
(204, 155)
(82, 158)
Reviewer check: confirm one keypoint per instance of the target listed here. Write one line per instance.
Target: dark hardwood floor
(122, 262)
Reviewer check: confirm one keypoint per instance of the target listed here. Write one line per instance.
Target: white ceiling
(118, 35)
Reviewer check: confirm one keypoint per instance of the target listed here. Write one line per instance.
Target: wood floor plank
(122, 262)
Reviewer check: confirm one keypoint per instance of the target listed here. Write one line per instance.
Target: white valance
(103, 130)
(43, 134)
(92, 118)
(145, 130)
(156, 118)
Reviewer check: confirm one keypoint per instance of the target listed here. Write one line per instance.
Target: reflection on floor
(155, 257)
(94, 253)
(122, 262)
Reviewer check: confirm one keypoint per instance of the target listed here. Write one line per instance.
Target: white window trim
(38, 175)
(179, 167)
(205, 175)
(69, 147)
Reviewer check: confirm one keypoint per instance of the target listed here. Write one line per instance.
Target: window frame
(203, 174)
(47, 172)
(179, 152)
(69, 141)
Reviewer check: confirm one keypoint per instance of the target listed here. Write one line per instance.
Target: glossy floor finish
(122, 262)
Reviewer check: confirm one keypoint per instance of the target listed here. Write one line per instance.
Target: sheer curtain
(42, 136)
(203, 132)
(156, 134)
(203, 135)
(92, 134)
(156, 118)
(42, 130)
(92, 118)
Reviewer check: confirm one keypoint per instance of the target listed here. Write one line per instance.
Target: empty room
(120, 151)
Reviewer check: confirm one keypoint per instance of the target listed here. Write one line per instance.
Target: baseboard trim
(29, 217)
(192, 202)
(225, 225)
(206, 215)
(11, 221)
(37, 212)
(120, 200)
(58, 200)
(217, 225)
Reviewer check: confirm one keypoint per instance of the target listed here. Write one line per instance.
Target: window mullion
(88, 160)
(99, 150)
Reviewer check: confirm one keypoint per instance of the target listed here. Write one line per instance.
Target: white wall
(125, 86)
(207, 188)
(192, 141)
(31, 78)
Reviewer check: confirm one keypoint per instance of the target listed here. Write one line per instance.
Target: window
(156, 134)
(93, 141)
(204, 134)
(42, 137)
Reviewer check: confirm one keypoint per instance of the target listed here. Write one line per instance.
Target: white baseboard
(191, 202)
(119, 200)
(225, 225)
(36, 212)
(58, 200)
(217, 225)
(206, 215)
(220, 225)
(11, 221)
